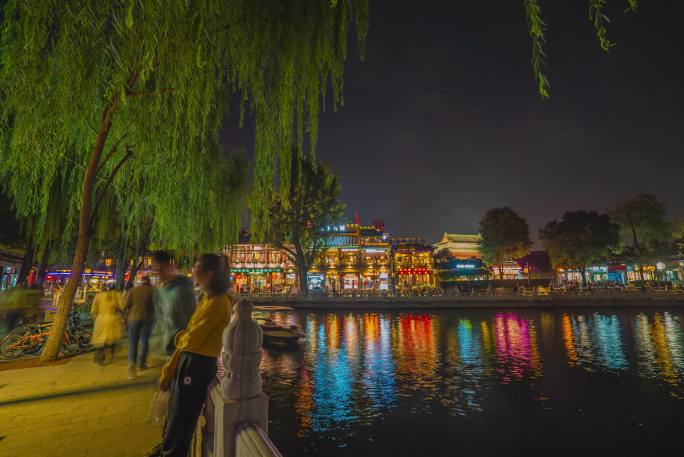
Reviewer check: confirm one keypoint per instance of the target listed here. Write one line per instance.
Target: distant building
(460, 246)
(9, 269)
(413, 264)
(358, 257)
(260, 268)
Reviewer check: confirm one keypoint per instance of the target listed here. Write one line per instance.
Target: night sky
(442, 121)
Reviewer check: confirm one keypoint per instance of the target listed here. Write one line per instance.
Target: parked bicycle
(30, 338)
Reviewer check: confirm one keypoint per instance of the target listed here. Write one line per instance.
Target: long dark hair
(215, 263)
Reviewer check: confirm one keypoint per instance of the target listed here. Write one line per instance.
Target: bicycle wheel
(70, 344)
(84, 340)
(13, 345)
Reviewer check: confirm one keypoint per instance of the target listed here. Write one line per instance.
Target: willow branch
(103, 191)
(111, 152)
(147, 94)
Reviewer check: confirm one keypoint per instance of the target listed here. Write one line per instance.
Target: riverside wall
(460, 302)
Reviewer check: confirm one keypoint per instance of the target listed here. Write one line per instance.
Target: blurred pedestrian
(12, 306)
(107, 327)
(139, 306)
(19, 302)
(56, 293)
(193, 364)
(176, 300)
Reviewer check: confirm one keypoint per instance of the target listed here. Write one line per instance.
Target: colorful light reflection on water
(362, 379)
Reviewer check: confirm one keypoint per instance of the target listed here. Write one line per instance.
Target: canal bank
(468, 302)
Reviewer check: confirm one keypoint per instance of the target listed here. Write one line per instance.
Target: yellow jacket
(204, 333)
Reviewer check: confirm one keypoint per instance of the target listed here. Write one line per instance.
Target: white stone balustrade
(236, 407)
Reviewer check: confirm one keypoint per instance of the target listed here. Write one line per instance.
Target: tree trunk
(635, 241)
(140, 252)
(501, 270)
(42, 269)
(302, 269)
(27, 261)
(121, 266)
(583, 273)
(85, 234)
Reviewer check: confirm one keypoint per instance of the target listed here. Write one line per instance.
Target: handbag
(159, 407)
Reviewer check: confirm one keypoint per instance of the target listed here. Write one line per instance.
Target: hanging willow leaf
(536, 29)
(599, 20)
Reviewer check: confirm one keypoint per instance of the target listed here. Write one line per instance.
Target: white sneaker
(131, 371)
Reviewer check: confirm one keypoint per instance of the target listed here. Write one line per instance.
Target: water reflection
(659, 345)
(594, 342)
(516, 347)
(356, 369)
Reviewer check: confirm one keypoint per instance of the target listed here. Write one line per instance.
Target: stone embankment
(481, 301)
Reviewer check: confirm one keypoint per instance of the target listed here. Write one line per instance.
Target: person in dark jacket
(139, 305)
(190, 370)
(177, 300)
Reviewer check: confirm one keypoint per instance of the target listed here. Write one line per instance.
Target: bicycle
(31, 337)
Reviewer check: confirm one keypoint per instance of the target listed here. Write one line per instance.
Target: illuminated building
(460, 246)
(457, 259)
(358, 257)
(260, 268)
(413, 263)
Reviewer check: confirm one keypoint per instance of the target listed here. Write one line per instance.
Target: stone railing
(251, 441)
(235, 419)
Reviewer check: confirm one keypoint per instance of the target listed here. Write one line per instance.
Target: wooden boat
(278, 335)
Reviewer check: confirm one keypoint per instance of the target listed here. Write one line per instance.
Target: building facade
(413, 265)
(357, 258)
(460, 246)
(260, 269)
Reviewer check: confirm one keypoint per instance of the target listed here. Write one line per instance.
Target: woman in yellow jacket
(107, 327)
(193, 364)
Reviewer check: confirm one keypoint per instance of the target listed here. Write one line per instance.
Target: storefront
(9, 269)
(92, 281)
(260, 280)
(641, 273)
(411, 278)
(511, 270)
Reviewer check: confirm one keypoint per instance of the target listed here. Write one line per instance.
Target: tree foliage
(11, 233)
(166, 69)
(642, 222)
(578, 239)
(99, 94)
(505, 236)
(300, 223)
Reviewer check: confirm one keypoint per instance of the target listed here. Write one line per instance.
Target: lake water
(480, 383)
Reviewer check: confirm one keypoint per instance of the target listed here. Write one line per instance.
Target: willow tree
(102, 86)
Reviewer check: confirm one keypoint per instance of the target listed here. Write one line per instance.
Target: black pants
(188, 392)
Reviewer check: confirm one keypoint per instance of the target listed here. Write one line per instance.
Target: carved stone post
(241, 355)
(238, 396)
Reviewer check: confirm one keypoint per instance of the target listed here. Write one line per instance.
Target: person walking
(12, 304)
(176, 300)
(107, 323)
(193, 364)
(139, 306)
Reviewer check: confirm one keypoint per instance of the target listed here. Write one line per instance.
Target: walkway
(77, 408)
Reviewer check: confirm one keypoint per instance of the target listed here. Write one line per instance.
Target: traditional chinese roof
(460, 238)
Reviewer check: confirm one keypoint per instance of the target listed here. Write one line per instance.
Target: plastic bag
(159, 407)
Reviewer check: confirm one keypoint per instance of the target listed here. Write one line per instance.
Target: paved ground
(77, 409)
